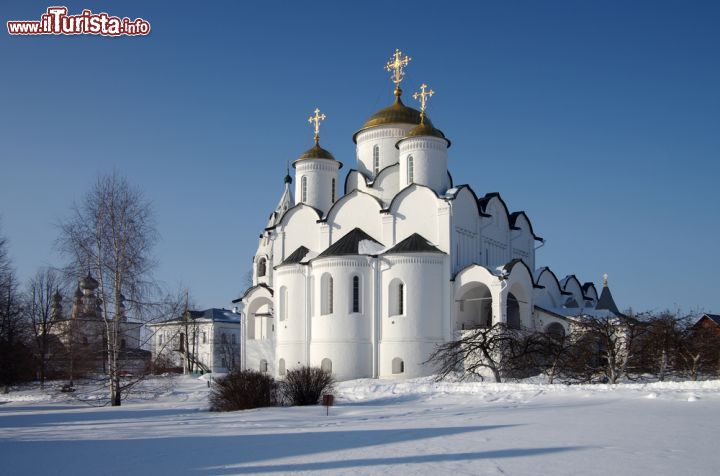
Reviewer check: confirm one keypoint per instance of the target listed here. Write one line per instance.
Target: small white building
(366, 276)
(199, 341)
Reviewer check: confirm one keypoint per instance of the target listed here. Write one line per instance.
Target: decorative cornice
(319, 164)
(433, 143)
(383, 132)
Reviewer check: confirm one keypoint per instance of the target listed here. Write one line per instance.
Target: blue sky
(600, 119)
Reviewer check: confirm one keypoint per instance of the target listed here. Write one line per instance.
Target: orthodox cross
(316, 121)
(423, 97)
(396, 66)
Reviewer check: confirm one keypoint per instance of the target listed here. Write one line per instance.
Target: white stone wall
(320, 174)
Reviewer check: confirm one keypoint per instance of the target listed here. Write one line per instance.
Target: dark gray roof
(606, 301)
(296, 256)
(348, 244)
(213, 314)
(414, 243)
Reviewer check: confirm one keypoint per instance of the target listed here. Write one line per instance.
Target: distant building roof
(414, 243)
(354, 243)
(713, 317)
(209, 315)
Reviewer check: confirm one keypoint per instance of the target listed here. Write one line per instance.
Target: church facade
(366, 276)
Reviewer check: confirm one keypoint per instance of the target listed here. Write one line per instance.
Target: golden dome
(397, 113)
(425, 129)
(316, 152)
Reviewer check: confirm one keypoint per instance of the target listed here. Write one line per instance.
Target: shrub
(242, 390)
(305, 385)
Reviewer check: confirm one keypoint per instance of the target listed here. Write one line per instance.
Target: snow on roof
(370, 247)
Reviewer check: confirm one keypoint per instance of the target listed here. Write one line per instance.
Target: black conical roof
(348, 244)
(414, 243)
(607, 302)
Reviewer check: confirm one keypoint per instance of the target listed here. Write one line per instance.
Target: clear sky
(600, 119)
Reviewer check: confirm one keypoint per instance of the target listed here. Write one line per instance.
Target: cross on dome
(396, 66)
(316, 119)
(423, 97)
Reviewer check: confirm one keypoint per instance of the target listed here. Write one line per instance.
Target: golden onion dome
(397, 113)
(316, 152)
(424, 129)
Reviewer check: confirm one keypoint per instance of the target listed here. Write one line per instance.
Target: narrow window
(160, 340)
(283, 303)
(223, 338)
(263, 365)
(376, 160)
(356, 294)
(410, 169)
(262, 265)
(281, 367)
(303, 188)
(332, 197)
(233, 337)
(204, 337)
(401, 300)
(224, 362)
(122, 343)
(326, 288)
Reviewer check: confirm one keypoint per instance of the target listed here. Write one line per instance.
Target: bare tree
(15, 355)
(111, 234)
(499, 350)
(42, 308)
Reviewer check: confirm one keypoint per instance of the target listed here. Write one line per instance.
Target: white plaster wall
(496, 235)
(355, 210)
(291, 337)
(343, 337)
(416, 211)
(320, 173)
(385, 137)
(429, 163)
(413, 335)
(549, 297)
(299, 228)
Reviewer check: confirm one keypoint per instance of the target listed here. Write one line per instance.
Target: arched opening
(326, 289)
(263, 365)
(122, 344)
(376, 159)
(396, 297)
(556, 330)
(474, 308)
(181, 346)
(355, 294)
(410, 169)
(326, 365)
(332, 192)
(303, 189)
(261, 267)
(398, 366)
(281, 367)
(513, 312)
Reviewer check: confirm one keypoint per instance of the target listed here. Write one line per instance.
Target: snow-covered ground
(419, 427)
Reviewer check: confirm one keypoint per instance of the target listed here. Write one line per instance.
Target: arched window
(160, 339)
(556, 330)
(356, 294)
(263, 365)
(261, 267)
(122, 343)
(326, 365)
(396, 296)
(398, 366)
(376, 159)
(181, 346)
(303, 189)
(332, 192)
(204, 337)
(281, 367)
(223, 338)
(327, 294)
(233, 338)
(410, 169)
(283, 303)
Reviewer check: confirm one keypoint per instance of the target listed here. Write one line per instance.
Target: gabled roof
(713, 317)
(414, 243)
(349, 244)
(607, 302)
(251, 289)
(296, 256)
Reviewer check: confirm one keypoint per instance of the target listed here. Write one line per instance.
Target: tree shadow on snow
(415, 459)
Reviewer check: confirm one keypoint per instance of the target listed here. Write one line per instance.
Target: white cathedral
(366, 277)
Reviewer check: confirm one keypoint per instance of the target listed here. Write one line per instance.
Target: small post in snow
(328, 402)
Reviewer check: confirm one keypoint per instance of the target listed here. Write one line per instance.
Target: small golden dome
(397, 113)
(316, 152)
(425, 128)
